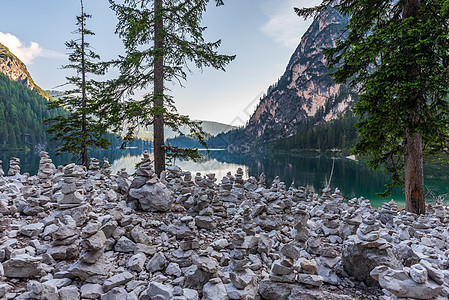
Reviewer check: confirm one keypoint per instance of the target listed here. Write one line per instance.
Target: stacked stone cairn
(146, 191)
(243, 283)
(46, 172)
(123, 181)
(106, 168)
(94, 167)
(367, 244)
(14, 167)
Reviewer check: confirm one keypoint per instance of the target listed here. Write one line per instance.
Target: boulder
(153, 197)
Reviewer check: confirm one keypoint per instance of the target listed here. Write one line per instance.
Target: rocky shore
(72, 233)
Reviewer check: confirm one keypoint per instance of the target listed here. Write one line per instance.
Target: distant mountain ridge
(16, 70)
(210, 127)
(304, 90)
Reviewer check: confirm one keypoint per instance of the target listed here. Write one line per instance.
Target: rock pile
(146, 191)
(95, 235)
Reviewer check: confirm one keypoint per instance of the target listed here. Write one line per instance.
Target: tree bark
(159, 149)
(413, 155)
(414, 174)
(84, 96)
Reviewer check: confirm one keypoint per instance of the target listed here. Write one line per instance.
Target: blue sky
(262, 33)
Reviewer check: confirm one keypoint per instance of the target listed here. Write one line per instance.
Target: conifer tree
(397, 55)
(161, 37)
(80, 129)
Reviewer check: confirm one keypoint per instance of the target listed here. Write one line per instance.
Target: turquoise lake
(353, 178)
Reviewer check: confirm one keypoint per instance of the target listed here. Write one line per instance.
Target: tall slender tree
(161, 38)
(397, 55)
(80, 130)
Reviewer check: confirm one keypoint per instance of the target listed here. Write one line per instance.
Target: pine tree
(160, 37)
(397, 55)
(80, 129)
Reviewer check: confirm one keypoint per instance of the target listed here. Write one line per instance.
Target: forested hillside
(339, 134)
(21, 114)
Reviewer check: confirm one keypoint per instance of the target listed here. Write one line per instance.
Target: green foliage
(318, 135)
(183, 45)
(22, 112)
(5, 53)
(79, 130)
(400, 64)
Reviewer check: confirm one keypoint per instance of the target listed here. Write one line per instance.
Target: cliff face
(305, 87)
(16, 70)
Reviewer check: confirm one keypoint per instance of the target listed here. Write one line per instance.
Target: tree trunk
(159, 149)
(83, 89)
(414, 174)
(413, 156)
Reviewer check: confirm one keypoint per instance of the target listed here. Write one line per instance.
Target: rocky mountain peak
(16, 70)
(305, 88)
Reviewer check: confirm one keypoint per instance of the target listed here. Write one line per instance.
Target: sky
(263, 34)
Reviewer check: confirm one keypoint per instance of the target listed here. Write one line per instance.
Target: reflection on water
(353, 178)
(207, 165)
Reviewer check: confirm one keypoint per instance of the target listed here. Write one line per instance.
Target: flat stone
(94, 242)
(125, 245)
(214, 291)
(117, 293)
(313, 280)
(117, 280)
(156, 263)
(308, 267)
(91, 291)
(136, 262)
(280, 269)
(173, 269)
(32, 229)
(208, 264)
(22, 266)
(243, 279)
(70, 292)
(84, 271)
(158, 290)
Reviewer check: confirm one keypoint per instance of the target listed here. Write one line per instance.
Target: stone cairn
(239, 181)
(368, 240)
(106, 168)
(146, 191)
(14, 168)
(65, 235)
(35, 203)
(46, 172)
(123, 181)
(242, 277)
(71, 191)
(94, 166)
(93, 242)
(284, 269)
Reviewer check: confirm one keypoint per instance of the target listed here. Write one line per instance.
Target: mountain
(22, 112)
(210, 127)
(16, 70)
(303, 91)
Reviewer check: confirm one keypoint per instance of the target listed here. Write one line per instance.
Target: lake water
(353, 178)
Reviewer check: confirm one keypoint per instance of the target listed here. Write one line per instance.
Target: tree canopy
(397, 55)
(80, 129)
(162, 39)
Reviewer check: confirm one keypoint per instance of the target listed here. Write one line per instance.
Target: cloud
(25, 53)
(283, 25)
